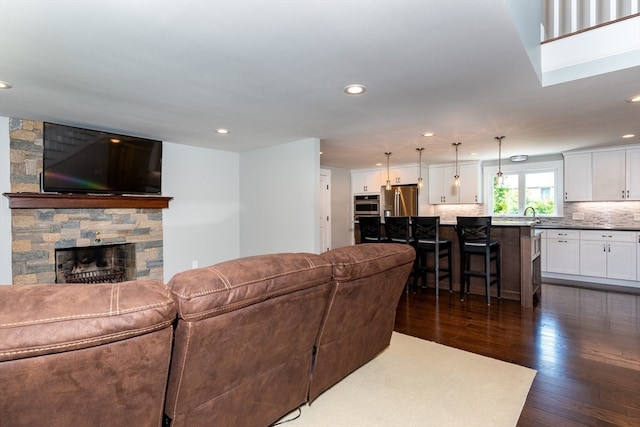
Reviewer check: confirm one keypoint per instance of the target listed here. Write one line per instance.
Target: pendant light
(388, 186)
(456, 177)
(420, 181)
(499, 177)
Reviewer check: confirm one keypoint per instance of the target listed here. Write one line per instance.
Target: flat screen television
(77, 160)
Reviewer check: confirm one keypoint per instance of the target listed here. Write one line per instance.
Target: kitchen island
(520, 261)
(521, 247)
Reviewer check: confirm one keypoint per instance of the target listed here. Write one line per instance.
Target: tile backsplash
(576, 214)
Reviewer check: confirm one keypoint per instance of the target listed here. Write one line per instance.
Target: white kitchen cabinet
(470, 183)
(577, 177)
(543, 252)
(443, 191)
(610, 254)
(365, 181)
(632, 168)
(609, 177)
(638, 256)
(401, 175)
(563, 251)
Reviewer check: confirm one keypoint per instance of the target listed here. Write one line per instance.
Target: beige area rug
(418, 383)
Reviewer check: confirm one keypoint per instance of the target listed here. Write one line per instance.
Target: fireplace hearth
(96, 264)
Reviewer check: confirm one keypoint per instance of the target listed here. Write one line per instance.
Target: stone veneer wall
(36, 233)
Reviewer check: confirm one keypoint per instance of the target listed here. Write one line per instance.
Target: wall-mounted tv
(80, 160)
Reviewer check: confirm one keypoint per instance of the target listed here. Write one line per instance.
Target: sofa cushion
(43, 319)
(230, 285)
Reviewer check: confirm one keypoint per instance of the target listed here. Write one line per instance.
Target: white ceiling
(274, 72)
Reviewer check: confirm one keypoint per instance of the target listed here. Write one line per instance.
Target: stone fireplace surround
(37, 233)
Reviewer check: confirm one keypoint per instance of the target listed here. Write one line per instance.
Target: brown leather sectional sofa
(240, 343)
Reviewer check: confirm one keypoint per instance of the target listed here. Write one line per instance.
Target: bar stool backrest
(397, 229)
(425, 229)
(370, 229)
(474, 230)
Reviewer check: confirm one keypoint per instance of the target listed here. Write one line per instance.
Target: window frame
(555, 166)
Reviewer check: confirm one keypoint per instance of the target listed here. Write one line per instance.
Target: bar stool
(474, 238)
(398, 230)
(426, 235)
(370, 229)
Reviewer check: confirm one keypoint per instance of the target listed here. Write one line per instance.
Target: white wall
(225, 205)
(202, 223)
(279, 199)
(5, 212)
(341, 208)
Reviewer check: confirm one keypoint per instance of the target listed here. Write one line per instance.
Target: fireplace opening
(96, 264)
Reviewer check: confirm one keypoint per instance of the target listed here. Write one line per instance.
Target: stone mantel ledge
(84, 201)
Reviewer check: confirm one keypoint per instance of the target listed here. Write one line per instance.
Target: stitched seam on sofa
(182, 368)
(259, 298)
(85, 316)
(355, 262)
(109, 338)
(214, 291)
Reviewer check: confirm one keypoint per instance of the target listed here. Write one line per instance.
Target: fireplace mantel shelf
(84, 201)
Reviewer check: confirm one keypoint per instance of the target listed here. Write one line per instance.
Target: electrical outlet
(194, 264)
(578, 215)
(636, 216)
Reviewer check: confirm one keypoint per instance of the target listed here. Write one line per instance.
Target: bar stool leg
(487, 269)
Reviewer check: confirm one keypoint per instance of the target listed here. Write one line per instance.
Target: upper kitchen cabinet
(443, 191)
(401, 175)
(365, 181)
(606, 174)
(616, 175)
(577, 177)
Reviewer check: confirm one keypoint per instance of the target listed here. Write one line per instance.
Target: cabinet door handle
(562, 241)
(623, 194)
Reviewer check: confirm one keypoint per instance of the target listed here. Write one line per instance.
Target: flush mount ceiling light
(499, 177)
(428, 134)
(4, 85)
(519, 158)
(634, 99)
(222, 131)
(355, 89)
(629, 135)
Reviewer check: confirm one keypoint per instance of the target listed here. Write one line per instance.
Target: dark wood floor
(585, 345)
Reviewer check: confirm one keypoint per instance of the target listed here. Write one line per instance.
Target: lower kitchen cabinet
(563, 251)
(610, 254)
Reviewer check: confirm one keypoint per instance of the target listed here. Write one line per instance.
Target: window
(529, 185)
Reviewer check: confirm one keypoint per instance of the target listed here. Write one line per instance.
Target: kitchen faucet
(536, 220)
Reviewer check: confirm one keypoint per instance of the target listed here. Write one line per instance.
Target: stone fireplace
(38, 233)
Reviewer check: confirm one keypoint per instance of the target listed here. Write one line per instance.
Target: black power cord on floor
(288, 420)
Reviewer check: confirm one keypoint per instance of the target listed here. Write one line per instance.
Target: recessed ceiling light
(634, 99)
(355, 89)
(428, 134)
(222, 131)
(629, 135)
(378, 164)
(4, 85)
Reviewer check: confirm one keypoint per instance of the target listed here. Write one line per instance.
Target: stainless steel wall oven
(368, 205)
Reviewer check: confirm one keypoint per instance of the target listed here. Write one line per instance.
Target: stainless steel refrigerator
(401, 200)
